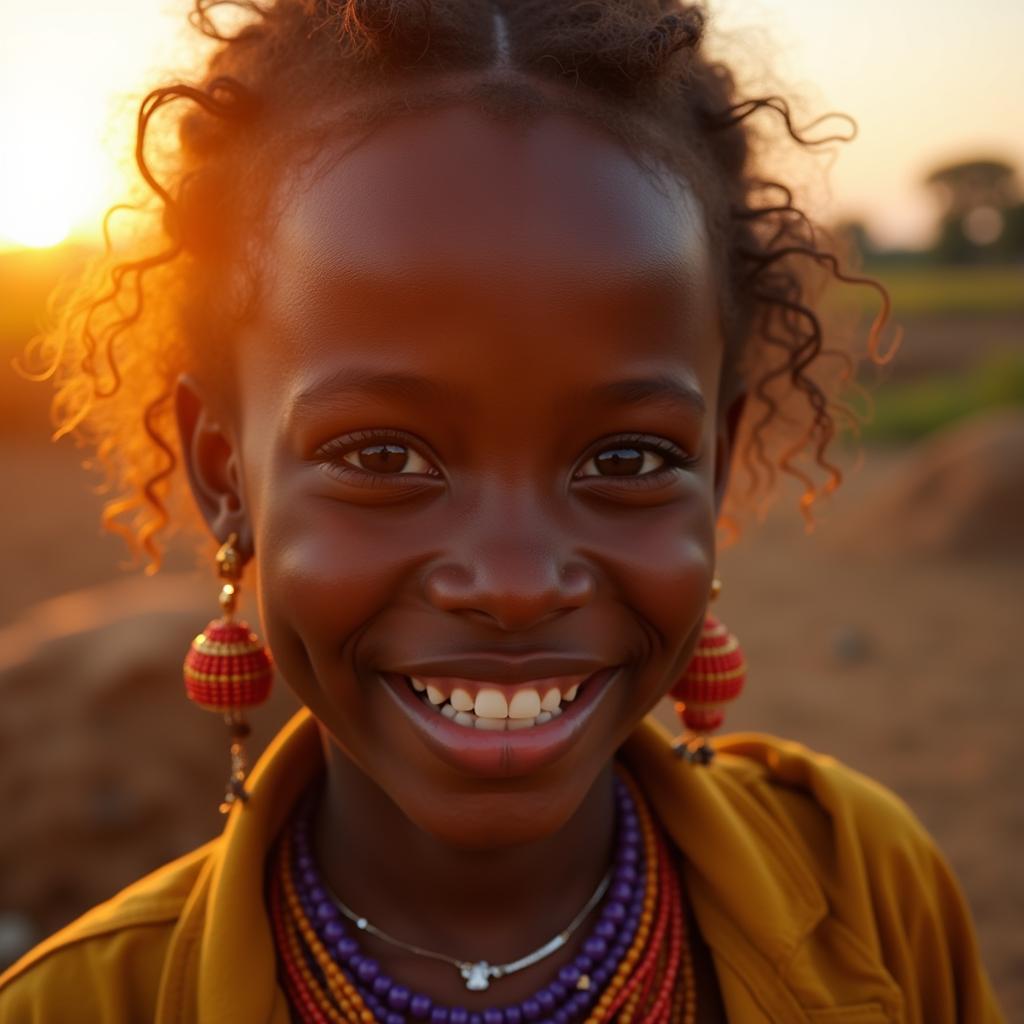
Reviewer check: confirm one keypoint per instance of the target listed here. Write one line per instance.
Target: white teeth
(461, 700)
(491, 710)
(491, 704)
(491, 724)
(525, 704)
(551, 700)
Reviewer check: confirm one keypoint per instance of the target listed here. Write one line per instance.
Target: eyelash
(334, 451)
(333, 455)
(672, 455)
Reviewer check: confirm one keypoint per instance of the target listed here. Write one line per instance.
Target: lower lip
(500, 755)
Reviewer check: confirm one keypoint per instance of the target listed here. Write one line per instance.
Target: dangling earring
(714, 677)
(227, 669)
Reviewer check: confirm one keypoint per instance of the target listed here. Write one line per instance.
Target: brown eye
(388, 459)
(623, 461)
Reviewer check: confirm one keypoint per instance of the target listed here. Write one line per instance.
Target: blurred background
(885, 638)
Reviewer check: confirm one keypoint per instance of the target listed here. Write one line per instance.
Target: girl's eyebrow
(662, 387)
(327, 391)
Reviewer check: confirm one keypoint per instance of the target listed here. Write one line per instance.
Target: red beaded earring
(228, 670)
(713, 678)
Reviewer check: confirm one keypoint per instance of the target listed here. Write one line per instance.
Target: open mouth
(503, 726)
(476, 704)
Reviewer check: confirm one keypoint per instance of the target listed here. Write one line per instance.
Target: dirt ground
(902, 666)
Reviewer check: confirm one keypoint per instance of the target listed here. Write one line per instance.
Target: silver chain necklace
(478, 975)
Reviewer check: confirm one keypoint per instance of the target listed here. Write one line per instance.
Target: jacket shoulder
(809, 792)
(882, 874)
(106, 965)
(862, 841)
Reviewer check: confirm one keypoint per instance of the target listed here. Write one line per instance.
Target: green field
(933, 291)
(909, 410)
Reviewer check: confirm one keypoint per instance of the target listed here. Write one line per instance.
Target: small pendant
(478, 976)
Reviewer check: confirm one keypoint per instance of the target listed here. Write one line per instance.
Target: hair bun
(680, 31)
(620, 45)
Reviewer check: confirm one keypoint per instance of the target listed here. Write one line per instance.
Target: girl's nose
(512, 585)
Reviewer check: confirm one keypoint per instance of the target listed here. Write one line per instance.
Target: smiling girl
(457, 317)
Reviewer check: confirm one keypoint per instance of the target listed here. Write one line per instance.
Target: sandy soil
(902, 665)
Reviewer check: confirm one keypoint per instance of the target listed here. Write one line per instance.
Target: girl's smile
(490, 730)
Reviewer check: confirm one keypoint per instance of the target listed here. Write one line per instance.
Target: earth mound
(958, 494)
(107, 757)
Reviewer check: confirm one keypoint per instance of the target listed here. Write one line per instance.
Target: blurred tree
(982, 217)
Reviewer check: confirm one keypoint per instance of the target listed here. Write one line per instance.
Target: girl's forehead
(458, 200)
(506, 267)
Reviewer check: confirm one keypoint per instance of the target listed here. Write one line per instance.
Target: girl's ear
(213, 464)
(725, 444)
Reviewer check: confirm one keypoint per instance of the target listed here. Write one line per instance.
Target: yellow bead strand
(298, 960)
(340, 987)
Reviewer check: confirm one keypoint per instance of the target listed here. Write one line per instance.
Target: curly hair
(293, 71)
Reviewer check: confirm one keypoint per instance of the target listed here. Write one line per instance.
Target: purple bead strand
(558, 1002)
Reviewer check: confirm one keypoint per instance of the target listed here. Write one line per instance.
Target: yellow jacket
(821, 897)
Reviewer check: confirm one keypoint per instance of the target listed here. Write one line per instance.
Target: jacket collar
(221, 964)
(739, 862)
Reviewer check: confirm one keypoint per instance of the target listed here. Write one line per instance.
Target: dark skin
(479, 433)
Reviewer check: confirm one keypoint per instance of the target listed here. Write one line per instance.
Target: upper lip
(503, 668)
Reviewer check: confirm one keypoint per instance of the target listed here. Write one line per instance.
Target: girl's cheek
(325, 574)
(661, 571)
(322, 571)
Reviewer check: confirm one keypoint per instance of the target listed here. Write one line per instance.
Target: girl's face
(478, 444)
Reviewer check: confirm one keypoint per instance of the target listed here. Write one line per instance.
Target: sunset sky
(928, 80)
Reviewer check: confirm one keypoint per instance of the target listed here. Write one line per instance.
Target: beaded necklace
(634, 966)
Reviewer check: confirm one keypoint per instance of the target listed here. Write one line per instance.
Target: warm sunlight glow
(927, 86)
(31, 231)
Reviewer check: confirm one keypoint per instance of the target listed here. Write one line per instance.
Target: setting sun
(70, 77)
(51, 181)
